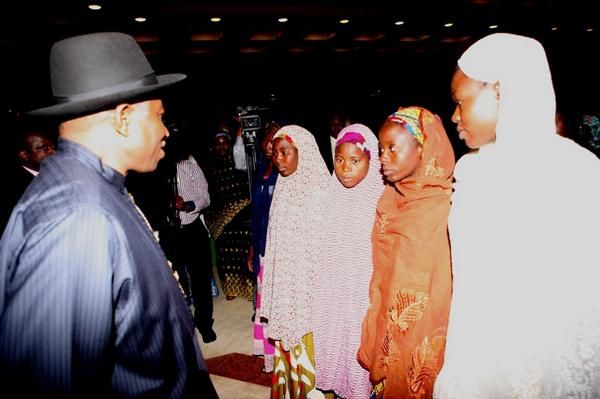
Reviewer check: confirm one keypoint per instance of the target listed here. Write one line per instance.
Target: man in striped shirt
(188, 244)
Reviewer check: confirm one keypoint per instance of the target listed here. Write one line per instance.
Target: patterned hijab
(294, 241)
(437, 163)
(402, 339)
(372, 185)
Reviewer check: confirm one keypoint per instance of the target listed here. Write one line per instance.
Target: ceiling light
(344, 21)
(493, 26)
(94, 7)
(589, 30)
(449, 24)
(554, 28)
(140, 19)
(282, 20)
(398, 23)
(215, 19)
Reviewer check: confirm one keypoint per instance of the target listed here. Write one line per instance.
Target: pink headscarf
(294, 242)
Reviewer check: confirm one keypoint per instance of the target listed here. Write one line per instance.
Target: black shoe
(253, 317)
(209, 336)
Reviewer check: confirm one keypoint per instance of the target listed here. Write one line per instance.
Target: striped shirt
(192, 186)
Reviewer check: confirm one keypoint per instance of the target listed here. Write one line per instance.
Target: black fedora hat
(92, 72)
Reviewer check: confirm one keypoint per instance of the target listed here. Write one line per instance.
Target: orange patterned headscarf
(404, 330)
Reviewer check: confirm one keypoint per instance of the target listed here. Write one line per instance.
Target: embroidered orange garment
(404, 330)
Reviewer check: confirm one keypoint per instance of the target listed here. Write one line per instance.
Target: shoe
(210, 336)
(253, 317)
(230, 297)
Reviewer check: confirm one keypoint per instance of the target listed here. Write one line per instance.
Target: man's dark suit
(20, 179)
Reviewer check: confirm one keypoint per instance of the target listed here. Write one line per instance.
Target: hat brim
(89, 105)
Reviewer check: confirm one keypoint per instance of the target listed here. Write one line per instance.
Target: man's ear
(121, 121)
(23, 156)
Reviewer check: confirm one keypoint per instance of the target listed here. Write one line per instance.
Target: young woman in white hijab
(524, 228)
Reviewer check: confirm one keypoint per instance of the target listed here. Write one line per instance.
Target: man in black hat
(89, 306)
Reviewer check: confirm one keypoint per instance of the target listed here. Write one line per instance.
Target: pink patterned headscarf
(345, 273)
(294, 241)
(350, 136)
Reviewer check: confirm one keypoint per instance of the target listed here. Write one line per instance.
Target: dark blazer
(88, 304)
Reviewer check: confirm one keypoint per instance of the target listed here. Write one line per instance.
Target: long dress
(404, 331)
(290, 267)
(229, 221)
(524, 228)
(344, 276)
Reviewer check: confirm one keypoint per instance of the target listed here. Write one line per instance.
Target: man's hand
(179, 203)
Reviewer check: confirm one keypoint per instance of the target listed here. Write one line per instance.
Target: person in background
(89, 307)
(336, 120)
(229, 219)
(262, 194)
(34, 145)
(291, 262)
(345, 272)
(524, 228)
(404, 329)
(239, 148)
(187, 243)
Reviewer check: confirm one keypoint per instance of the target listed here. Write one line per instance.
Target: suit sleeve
(60, 317)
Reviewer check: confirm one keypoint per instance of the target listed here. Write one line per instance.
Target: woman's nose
(455, 116)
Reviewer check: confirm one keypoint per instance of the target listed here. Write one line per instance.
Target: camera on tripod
(250, 122)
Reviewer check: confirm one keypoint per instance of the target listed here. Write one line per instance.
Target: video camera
(250, 121)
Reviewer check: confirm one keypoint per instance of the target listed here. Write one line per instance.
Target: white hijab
(524, 230)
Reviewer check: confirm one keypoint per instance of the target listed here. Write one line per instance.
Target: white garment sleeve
(239, 154)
